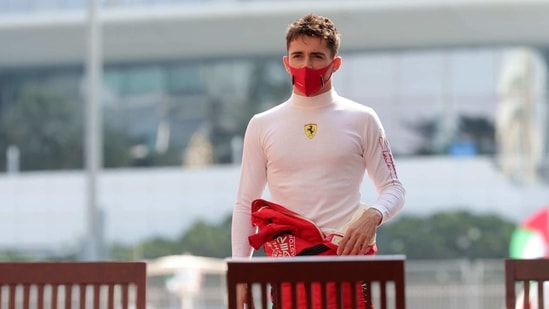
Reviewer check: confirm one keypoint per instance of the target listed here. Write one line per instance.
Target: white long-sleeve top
(316, 176)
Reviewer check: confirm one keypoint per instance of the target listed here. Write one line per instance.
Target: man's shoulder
(272, 110)
(355, 106)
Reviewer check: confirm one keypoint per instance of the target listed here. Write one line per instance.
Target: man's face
(308, 51)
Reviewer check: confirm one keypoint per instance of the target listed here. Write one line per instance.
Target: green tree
(47, 130)
(201, 239)
(116, 147)
(157, 247)
(446, 235)
(206, 239)
(443, 235)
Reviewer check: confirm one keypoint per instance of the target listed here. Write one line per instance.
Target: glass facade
(428, 100)
(155, 109)
(422, 99)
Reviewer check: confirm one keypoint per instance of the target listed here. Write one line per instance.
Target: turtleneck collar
(313, 102)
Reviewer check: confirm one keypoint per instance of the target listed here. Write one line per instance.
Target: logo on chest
(310, 130)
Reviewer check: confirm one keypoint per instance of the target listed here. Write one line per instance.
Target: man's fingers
(353, 245)
(349, 246)
(344, 245)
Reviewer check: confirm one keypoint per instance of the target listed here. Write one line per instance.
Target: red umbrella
(531, 238)
(539, 221)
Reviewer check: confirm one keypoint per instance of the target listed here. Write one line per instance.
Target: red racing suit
(284, 233)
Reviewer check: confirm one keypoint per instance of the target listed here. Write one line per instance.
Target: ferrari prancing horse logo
(310, 130)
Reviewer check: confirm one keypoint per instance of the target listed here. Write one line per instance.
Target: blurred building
(173, 68)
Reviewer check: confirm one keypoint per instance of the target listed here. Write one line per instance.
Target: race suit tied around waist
(284, 233)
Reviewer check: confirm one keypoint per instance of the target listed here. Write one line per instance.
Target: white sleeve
(381, 169)
(253, 178)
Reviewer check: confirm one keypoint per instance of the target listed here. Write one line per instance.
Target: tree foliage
(457, 234)
(205, 239)
(48, 130)
(201, 239)
(442, 235)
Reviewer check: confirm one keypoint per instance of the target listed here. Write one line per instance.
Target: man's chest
(312, 143)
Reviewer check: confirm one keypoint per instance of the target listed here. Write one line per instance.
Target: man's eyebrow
(318, 54)
(311, 53)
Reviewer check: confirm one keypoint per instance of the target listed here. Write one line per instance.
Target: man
(313, 150)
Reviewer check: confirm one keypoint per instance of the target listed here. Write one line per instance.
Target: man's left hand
(360, 233)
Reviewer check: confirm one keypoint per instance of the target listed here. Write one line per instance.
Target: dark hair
(314, 26)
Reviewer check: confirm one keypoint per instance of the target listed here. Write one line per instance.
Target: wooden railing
(383, 275)
(25, 285)
(527, 276)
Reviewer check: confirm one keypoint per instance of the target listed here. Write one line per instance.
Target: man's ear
(336, 63)
(286, 64)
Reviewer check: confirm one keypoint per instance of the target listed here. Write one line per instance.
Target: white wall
(47, 209)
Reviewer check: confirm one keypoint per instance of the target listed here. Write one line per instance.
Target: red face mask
(309, 81)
